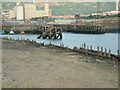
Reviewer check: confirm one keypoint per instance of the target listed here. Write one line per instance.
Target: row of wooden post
(100, 50)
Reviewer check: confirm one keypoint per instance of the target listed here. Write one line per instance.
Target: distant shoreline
(35, 28)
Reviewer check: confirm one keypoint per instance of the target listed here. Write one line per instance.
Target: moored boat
(22, 33)
(11, 33)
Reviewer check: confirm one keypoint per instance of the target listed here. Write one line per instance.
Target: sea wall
(89, 28)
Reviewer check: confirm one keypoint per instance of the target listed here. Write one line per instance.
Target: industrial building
(28, 11)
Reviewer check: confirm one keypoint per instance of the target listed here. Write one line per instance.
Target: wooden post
(32, 41)
(50, 44)
(118, 52)
(102, 49)
(90, 47)
(27, 40)
(55, 36)
(43, 43)
(98, 48)
(61, 45)
(75, 48)
(84, 45)
(109, 54)
(105, 52)
(50, 33)
(60, 33)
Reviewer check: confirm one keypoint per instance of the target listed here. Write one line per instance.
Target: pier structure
(51, 32)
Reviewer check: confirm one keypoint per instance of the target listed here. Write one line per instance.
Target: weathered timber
(51, 32)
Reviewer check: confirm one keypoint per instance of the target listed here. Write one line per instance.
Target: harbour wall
(35, 28)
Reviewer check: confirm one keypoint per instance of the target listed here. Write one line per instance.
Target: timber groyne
(101, 53)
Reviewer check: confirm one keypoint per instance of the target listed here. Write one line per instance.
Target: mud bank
(27, 65)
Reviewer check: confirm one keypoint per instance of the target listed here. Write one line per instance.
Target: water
(108, 41)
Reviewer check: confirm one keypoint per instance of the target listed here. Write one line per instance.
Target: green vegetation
(112, 19)
(97, 17)
(8, 5)
(82, 8)
(45, 18)
(71, 8)
(35, 19)
(77, 16)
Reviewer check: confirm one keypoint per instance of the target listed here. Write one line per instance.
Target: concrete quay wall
(35, 28)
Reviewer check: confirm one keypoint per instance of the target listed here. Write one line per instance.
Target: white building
(28, 11)
(19, 12)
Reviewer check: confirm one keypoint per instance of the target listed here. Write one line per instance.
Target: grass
(114, 18)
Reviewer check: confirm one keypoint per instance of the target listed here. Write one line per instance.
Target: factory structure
(28, 11)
